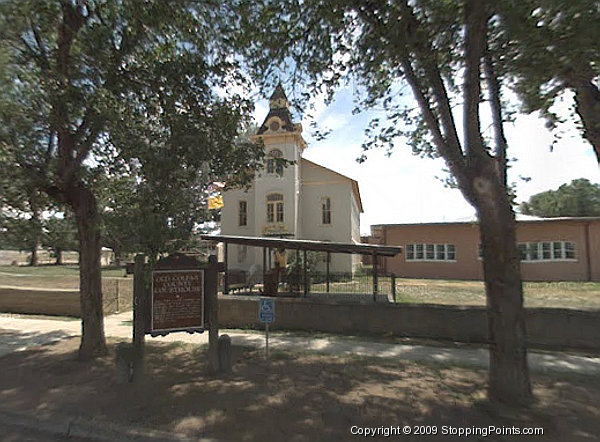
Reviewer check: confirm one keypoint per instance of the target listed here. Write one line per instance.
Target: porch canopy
(306, 245)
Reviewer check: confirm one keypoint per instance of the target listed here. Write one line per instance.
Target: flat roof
(474, 221)
(306, 244)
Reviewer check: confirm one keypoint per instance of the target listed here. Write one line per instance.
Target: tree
(88, 83)
(22, 234)
(579, 198)
(60, 234)
(428, 46)
(21, 208)
(553, 47)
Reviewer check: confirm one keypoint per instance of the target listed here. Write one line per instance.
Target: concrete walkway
(18, 332)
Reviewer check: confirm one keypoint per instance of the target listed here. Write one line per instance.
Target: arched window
(275, 208)
(273, 165)
(326, 210)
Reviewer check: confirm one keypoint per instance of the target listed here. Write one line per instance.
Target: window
(547, 251)
(274, 162)
(556, 250)
(326, 210)
(450, 252)
(275, 208)
(440, 252)
(533, 251)
(430, 252)
(243, 213)
(523, 251)
(410, 252)
(569, 250)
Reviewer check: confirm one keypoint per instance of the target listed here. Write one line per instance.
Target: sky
(405, 188)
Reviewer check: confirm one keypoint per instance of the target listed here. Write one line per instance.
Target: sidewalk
(17, 332)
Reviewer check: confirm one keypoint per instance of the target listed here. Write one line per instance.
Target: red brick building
(552, 249)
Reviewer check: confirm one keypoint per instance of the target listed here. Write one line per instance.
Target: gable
(313, 171)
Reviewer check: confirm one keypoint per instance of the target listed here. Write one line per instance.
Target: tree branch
(427, 57)
(497, 119)
(475, 22)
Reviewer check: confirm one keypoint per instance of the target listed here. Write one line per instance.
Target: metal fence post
(117, 295)
(327, 270)
(226, 275)
(375, 271)
(305, 274)
(393, 288)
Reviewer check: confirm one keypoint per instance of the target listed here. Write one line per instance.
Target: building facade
(292, 197)
(552, 249)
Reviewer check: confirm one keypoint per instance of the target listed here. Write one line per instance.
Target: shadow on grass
(293, 397)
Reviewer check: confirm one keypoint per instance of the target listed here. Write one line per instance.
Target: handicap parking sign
(266, 310)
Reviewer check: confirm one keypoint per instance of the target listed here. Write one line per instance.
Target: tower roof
(279, 107)
(279, 93)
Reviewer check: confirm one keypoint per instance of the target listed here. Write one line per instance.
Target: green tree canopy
(579, 198)
(553, 46)
(88, 85)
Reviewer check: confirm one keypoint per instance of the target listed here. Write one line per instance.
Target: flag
(215, 202)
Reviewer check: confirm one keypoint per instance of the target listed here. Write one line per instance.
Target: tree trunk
(33, 259)
(118, 256)
(508, 373)
(587, 99)
(93, 342)
(59, 257)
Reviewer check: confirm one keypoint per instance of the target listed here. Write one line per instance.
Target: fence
(310, 279)
(117, 297)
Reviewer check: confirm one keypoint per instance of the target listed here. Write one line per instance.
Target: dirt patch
(295, 397)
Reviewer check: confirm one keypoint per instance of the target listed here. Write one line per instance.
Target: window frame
(556, 251)
(275, 209)
(430, 252)
(272, 167)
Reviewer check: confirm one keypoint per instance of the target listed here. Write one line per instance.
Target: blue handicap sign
(266, 310)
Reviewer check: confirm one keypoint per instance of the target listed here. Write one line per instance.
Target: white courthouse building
(301, 201)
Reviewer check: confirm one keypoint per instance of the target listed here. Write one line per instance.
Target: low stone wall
(54, 302)
(555, 328)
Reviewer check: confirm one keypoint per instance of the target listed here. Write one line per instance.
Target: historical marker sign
(177, 300)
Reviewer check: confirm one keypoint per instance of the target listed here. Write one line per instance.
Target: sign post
(266, 315)
(178, 295)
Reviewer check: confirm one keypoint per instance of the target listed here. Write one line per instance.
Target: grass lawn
(67, 277)
(536, 294)
(430, 291)
(51, 276)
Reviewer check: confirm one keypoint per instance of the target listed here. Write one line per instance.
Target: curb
(94, 429)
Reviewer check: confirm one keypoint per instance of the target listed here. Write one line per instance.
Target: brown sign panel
(177, 300)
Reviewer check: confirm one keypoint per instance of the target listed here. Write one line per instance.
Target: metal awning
(306, 244)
